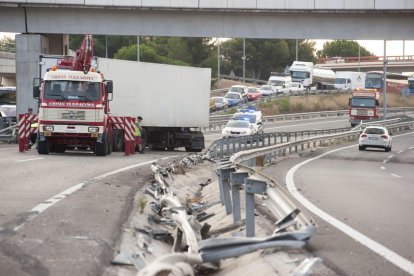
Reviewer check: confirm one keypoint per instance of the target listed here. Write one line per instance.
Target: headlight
(93, 129)
(48, 128)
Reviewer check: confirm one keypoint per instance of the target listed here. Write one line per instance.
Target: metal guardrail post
(252, 187)
(237, 179)
(224, 182)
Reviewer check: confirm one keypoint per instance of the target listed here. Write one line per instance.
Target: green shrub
(284, 105)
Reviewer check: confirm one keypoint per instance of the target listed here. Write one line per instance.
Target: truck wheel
(42, 147)
(101, 149)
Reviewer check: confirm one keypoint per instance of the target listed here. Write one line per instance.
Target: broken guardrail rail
(200, 251)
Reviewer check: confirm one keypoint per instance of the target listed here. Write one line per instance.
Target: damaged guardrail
(192, 246)
(239, 181)
(9, 134)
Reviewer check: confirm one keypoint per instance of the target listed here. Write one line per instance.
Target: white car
(236, 128)
(221, 102)
(242, 89)
(375, 137)
(296, 88)
(267, 90)
(255, 119)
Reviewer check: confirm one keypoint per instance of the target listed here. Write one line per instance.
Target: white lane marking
(385, 161)
(411, 148)
(401, 151)
(382, 168)
(9, 149)
(396, 175)
(381, 250)
(32, 159)
(391, 156)
(56, 198)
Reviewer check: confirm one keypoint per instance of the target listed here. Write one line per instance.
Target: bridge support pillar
(28, 49)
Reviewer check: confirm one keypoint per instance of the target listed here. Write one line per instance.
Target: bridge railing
(364, 59)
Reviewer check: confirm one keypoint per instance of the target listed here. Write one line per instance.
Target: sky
(394, 47)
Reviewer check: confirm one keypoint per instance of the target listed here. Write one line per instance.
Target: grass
(314, 103)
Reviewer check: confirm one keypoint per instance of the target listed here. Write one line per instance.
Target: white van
(347, 80)
(280, 81)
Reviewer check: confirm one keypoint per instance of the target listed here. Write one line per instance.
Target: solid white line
(58, 197)
(32, 159)
(396, 175)
(9, 149)
(381, 250)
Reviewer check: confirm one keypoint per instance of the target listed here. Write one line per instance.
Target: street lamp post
(218, 63)
(244, 59)
(385, 80)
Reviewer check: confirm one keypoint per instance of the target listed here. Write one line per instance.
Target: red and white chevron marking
(25, 120)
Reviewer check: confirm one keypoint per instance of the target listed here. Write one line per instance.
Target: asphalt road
(362, 201)
(62, 214)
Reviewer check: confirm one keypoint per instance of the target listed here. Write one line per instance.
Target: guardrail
(226, 147)
(270, 153)
(217, 122)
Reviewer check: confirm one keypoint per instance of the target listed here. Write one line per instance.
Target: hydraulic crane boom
(83, 59)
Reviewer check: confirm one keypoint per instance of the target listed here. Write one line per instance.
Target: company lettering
(65, 104)
(73, 77)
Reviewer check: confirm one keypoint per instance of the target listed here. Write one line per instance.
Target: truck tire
(42, 147)
(101, 149)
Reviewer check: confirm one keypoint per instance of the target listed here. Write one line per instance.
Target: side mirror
(36, 91)
(109, 86)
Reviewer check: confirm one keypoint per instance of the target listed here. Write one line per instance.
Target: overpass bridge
(281, 19)
(7, 69)
(395, 64)
(287, 19)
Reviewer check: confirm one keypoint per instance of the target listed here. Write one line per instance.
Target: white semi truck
(347, 80)
(173, 101)
(312, 77)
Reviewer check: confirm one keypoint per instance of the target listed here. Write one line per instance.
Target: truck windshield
(363, 102)
(72, 90)
(299, 74)
(276, 82)
(340, 81)
(373, 81)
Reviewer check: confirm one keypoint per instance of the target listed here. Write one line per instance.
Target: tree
(342, 48)
(263, 56)
(7, 44)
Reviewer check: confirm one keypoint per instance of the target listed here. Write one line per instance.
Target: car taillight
(384, 137)
(363, 135)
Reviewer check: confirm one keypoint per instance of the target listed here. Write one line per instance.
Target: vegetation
(342, 48)
(7, 44)
(314, 103)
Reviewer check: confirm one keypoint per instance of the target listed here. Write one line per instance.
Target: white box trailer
(348, 80)
(173, 100)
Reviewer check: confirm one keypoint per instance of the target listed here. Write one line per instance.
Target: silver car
(375, 137)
